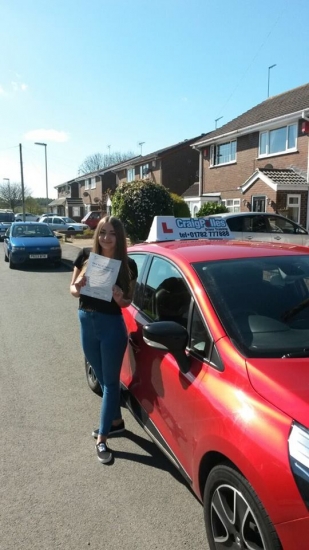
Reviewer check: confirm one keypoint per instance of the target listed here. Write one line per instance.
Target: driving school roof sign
(168, 228)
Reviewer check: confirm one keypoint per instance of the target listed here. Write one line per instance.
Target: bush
(136, 203)
(211, 208)
(181, 209)
(87, 234)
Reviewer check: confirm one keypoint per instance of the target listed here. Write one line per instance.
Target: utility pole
(22, 180)
(46, 178)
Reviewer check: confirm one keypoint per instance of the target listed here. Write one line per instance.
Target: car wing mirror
(171, 337)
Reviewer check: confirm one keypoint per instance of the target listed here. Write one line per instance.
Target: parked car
(59, 223)
(28, 242)
(216, 371)
(92, 219)
(28, 217)
(261, 226)
(6, 218)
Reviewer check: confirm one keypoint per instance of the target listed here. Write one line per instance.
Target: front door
(259, 204)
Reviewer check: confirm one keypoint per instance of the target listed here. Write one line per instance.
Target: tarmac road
(54, 494)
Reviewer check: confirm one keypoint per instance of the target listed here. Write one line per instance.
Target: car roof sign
(169, 228)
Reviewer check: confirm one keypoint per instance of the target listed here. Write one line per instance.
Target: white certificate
(101, 274)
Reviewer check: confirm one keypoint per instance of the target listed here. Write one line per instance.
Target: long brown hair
(120, 252)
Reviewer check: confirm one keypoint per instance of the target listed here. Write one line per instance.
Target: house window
(223, 153)
(293, 205)
(233, 205)
(143, 171)
(87, 183)
(76, 211)
(130, 174)
(93, 183)
(278, 141)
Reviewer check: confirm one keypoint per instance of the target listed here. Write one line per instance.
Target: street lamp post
(46, 179)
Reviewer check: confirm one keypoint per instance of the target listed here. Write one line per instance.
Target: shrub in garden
(211, 208)
(136, 203)
(181, 209)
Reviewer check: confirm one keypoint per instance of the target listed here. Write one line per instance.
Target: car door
(284, 230)
(56, 223)
(255, 228)
(167, 398)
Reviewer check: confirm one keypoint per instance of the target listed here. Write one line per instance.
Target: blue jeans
(104, 341)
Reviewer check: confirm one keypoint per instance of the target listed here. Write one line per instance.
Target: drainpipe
(306, 118)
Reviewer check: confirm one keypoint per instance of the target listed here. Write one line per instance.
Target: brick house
(258, 161)
(174, 167)
(85, 193)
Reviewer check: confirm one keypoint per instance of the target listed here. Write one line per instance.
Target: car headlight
(18, 247)
(299, 459)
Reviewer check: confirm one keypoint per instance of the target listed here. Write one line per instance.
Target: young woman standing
(103, 331)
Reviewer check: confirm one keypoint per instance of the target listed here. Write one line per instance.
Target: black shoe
(104, 454)
(114, 430)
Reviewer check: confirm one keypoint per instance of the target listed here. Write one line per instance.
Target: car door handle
(134, 345)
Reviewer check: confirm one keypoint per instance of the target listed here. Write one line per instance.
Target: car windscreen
(33, 230)
(7, 217)
(262, 303)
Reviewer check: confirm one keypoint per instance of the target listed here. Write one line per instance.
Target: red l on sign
(165, 228)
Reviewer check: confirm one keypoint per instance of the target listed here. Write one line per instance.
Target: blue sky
(81, 75)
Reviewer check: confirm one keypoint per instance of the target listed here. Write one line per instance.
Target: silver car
(261, 226)
(59, 223)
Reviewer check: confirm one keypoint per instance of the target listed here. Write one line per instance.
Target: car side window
(166, 294)
(235, 224)
(283, 225)
(140, 260)
(200, 340)
(259, 224)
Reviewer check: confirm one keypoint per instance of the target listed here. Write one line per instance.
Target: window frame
(214, 156)
(298, 205)
(266, 134)
(130, 174)
(235, 205)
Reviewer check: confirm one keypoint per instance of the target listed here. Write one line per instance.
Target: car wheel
(92, 379)
(234, 516)
(11, 264)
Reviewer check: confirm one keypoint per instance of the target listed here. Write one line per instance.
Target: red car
(217, 372)
(92, 219)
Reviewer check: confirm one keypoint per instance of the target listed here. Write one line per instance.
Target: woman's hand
(118, 295)
(80, 281)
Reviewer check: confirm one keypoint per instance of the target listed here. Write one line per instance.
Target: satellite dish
(268, 167)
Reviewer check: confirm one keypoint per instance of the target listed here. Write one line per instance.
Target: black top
(94, 304)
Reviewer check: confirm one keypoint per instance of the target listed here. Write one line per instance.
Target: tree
(181, 209)
(11, 194)
(99, 161)
(136, 203)
(211, 208)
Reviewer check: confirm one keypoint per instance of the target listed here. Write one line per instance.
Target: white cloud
(17, 87)
(46, 135)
